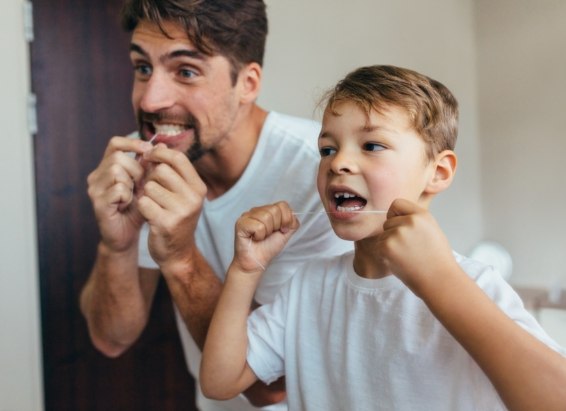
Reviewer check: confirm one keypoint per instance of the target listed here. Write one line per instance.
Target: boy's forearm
(527, 374)
(224, 370)
(116, 301)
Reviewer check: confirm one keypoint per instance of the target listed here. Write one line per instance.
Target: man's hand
(171, 203)
(111, 191)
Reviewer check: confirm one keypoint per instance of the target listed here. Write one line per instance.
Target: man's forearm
(195, 289)
(116, 300)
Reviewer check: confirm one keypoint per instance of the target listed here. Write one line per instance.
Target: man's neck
(222, 168)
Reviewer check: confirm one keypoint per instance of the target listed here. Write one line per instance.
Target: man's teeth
(169, 129)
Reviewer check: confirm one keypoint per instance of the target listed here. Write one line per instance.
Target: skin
(178, 88)
(382, 160)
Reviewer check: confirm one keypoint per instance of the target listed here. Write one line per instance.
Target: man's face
(182, 97)
(366, 163)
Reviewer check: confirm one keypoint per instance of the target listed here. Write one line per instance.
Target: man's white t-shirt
(345, 342)
(283, 167)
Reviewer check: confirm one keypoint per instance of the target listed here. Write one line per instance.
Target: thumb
(400, 207)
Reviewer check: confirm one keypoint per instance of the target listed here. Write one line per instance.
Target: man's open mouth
(168, 130)
(348, 202)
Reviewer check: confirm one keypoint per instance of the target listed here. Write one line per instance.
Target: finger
(126, 144)
(177, 160)
(117, 167)
(400, 206)
(178, 176)
(288, 220)
(164, 175)
(120, 195)
(248, 226)
(268, 220)
(151, 211)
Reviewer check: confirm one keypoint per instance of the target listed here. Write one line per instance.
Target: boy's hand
(413, 246)
(261, 234)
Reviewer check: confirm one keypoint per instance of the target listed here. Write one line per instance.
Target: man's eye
(326, 151)
(373, 147)
(143, 69)
(187, 73)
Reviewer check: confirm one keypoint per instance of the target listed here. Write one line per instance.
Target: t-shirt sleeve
(266, 338)
(144, 258)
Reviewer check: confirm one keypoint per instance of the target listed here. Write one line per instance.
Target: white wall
(20, 360)
(312, 44)
(522, 101)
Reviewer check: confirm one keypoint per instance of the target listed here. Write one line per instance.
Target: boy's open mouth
(348, 202)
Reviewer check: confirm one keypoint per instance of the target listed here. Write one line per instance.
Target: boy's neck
(367, 265)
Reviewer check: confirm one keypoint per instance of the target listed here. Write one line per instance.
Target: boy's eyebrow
(195, 54)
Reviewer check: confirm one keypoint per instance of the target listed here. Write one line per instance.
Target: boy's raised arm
(527, 374)
(260, 235)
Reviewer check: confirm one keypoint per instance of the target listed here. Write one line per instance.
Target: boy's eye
(373, 147)
(326, 151)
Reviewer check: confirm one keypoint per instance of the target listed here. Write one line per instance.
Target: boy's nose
(343, 163)
(158, 94)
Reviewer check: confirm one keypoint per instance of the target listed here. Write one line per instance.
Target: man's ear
(249, 81)
(444, 170)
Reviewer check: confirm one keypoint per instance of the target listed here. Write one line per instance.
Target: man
(207, 153)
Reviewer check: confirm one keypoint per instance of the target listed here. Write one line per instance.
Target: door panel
(82, 78)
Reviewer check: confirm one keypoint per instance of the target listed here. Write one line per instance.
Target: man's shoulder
(292, 125)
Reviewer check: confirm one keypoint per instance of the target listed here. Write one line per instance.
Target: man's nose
(158, 93)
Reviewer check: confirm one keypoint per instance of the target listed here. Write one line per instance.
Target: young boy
(403, 322)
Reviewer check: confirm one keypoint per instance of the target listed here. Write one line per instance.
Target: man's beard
(196, 150)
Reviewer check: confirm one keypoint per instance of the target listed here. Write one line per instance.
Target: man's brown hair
(235, 29)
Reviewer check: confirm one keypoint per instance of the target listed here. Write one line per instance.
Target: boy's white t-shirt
(283, 167)
(349, 343)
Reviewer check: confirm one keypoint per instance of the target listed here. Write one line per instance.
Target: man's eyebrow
(195, 54)
(137, 49)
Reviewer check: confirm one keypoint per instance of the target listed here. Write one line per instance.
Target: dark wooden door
(82, 78)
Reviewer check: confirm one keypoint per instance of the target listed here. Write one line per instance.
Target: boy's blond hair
(432, 108)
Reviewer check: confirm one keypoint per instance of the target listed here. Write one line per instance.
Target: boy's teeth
(348, 209)
(169, 129)
(345, 195)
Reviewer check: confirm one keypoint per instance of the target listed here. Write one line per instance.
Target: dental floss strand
(139, 157)
(305, 213)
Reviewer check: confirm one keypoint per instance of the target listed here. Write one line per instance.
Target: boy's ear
(445, 168)
(250, 82)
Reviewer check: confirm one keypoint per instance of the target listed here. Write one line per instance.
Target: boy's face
(366, 163)
(185, 97)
